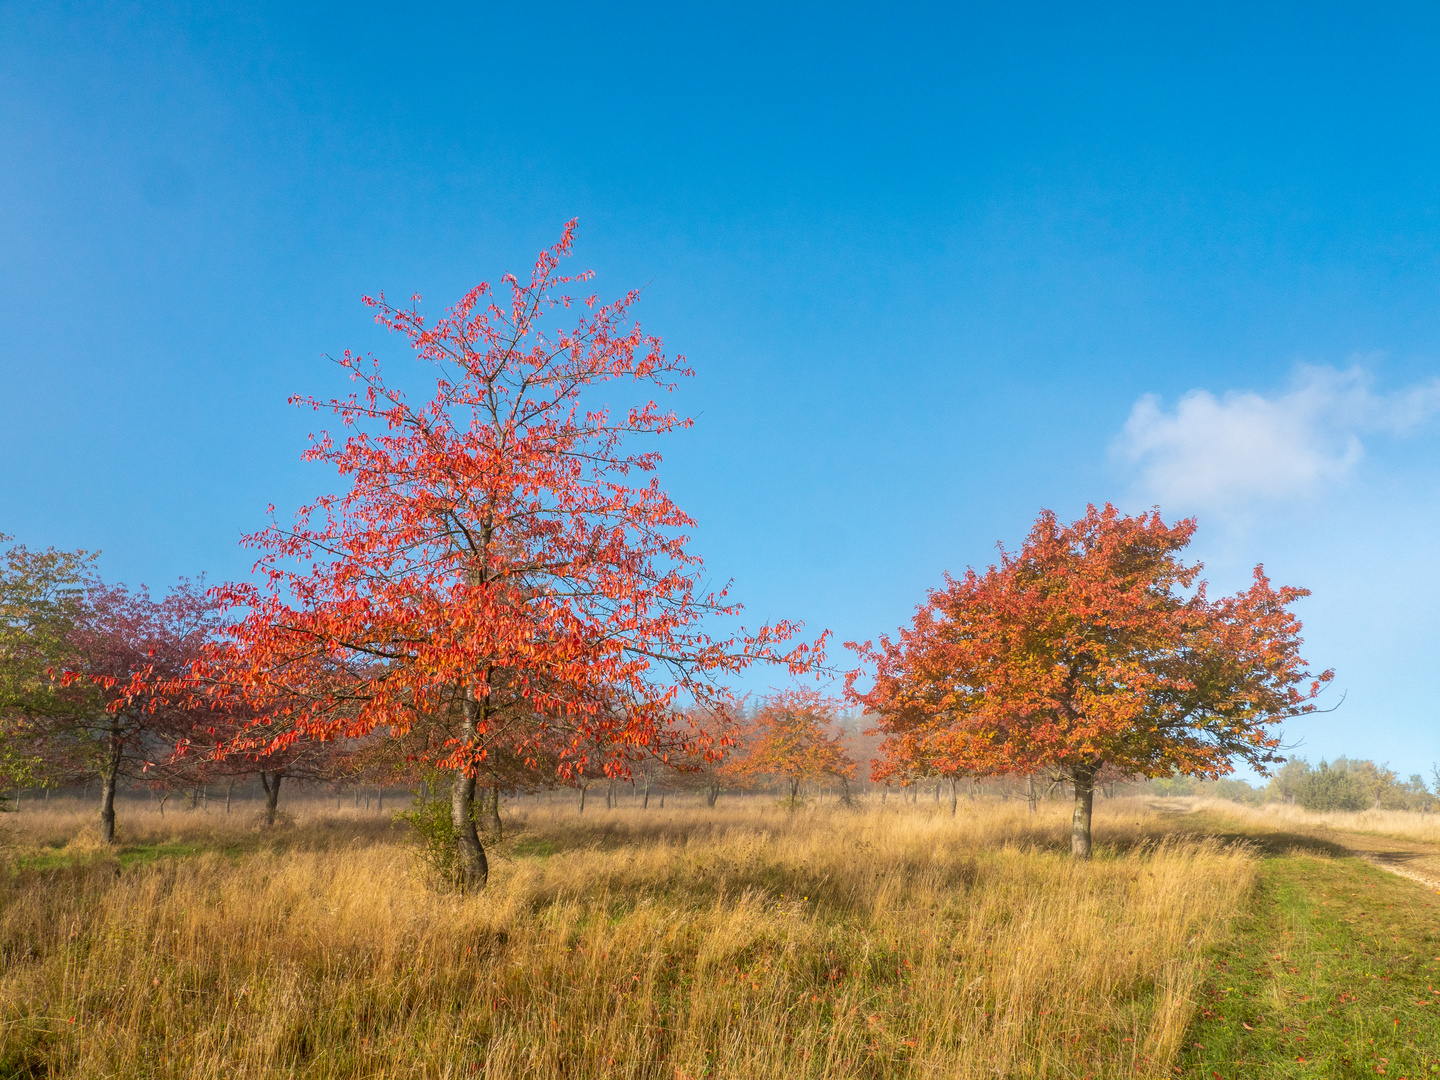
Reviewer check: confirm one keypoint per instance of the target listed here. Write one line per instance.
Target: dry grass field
(745, 941)
(1399, 824)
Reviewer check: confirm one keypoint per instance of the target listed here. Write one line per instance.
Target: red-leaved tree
(502, 563)
(117, 722)
(1092, 645)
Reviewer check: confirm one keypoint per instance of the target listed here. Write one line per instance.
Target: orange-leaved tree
(794, 737)
(1092, 645)
(502, 563)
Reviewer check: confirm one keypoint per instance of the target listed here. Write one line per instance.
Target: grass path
(1335, 969)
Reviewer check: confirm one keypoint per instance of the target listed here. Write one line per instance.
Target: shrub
(1237, 791)
(1331, 789)
(430, 818)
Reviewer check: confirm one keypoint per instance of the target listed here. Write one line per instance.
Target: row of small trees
(503, 592)
(73, 649)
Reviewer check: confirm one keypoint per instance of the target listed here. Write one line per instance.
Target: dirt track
(1409, 858)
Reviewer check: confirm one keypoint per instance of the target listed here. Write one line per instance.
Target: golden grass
(1402, 824)
(743, 942)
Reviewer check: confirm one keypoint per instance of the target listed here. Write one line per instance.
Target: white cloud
(1241, 448)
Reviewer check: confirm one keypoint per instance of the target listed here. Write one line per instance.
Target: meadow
(745, 940)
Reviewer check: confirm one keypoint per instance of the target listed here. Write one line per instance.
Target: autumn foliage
(503, 574)
(1094, 645)
(112, 717)
(793, 737)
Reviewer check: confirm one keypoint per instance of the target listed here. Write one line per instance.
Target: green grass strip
(1335, 972)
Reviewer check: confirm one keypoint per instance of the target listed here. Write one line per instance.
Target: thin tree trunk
(583, 788)
(954, 795)
(1084, 780)
(884, 791)
(662, 798)
(474, 868)
(495, 810)
(646, 804)
(108, 781)
(271, 783)
(380, 800)
(794, 790)
(229, 790)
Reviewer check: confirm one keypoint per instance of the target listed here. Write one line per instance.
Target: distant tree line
(1342, 784)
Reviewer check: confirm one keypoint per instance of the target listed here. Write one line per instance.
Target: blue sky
(936, 268)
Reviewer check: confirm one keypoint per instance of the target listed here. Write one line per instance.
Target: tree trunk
(610, 795)
(662, 798)
(108, 779)
(712, 794)
(1084, 780)
(495, 810)
(954, 795)
(380, 800)
(229, 790)
(646, 804)
(474, 868)
(883, 792)
(583, 788)
(271, 783)
(1031, 794)
(794, 790)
